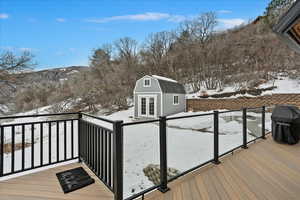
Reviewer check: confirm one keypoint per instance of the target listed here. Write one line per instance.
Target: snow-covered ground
(284, 84)
(190, 142)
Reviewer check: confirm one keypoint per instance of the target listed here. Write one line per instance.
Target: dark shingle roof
(171, 87)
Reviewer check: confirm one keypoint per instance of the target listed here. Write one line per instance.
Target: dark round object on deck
(286, 124)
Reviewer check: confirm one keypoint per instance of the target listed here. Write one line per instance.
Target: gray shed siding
(169, 108)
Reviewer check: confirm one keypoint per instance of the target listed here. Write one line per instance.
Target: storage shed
(156, 96)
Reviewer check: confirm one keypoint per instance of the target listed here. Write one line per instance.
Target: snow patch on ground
(285, 85)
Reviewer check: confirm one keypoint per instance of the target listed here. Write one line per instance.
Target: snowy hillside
(283, 84)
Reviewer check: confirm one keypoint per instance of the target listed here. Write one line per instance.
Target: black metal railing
(163, 186)
(96, 150)
(34, 144)
(100, 146)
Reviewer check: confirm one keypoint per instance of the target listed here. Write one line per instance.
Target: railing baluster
(245, 128)
(49, 138)
(109, 159)
(65, 140)
(32, 145)
(23, 147)
(57, 141)
(102, 154)
(80, 138)
(105, 156)
(13, 149)
(216, 138)
(72, 139)
(89, 144)
(93, 149)
(84, 135)
(263, 122)
(163, 155)
(96, 151)
(42, 145)
(1, 150)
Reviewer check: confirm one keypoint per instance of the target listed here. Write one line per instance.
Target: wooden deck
(266, 170)
(45, 186)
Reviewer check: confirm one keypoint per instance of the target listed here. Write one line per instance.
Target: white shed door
(147, 106)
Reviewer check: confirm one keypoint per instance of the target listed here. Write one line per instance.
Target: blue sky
(64, 32)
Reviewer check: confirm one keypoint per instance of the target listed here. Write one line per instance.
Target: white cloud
(61, 20)
(3, 16)
(18, 49)
(224, 11)
(148, 16)
(231, 23)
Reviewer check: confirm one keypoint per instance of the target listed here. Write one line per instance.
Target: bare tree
(9, 63)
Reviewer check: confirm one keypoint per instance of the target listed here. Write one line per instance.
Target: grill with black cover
(286, 124)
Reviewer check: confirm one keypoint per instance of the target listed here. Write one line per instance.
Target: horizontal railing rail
(99, 118)
(38, 115)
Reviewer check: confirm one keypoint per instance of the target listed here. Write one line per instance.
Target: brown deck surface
(45, 186)
(266, 170)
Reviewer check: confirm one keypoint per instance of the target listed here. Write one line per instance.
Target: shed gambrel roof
(170, 86)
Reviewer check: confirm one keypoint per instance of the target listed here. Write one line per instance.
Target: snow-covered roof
(163, 78)
(168, 85)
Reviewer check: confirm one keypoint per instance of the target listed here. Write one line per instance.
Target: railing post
(1, 150)
(263, 123)
(163, 155)
(79, 136)
(118, 160)
(216, 138)
(245, 128)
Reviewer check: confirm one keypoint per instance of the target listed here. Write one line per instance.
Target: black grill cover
(286, 124)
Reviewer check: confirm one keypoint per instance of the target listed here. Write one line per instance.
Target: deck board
(267, 170)
(45, 186)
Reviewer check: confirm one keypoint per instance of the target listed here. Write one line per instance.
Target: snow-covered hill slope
(283, 84)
